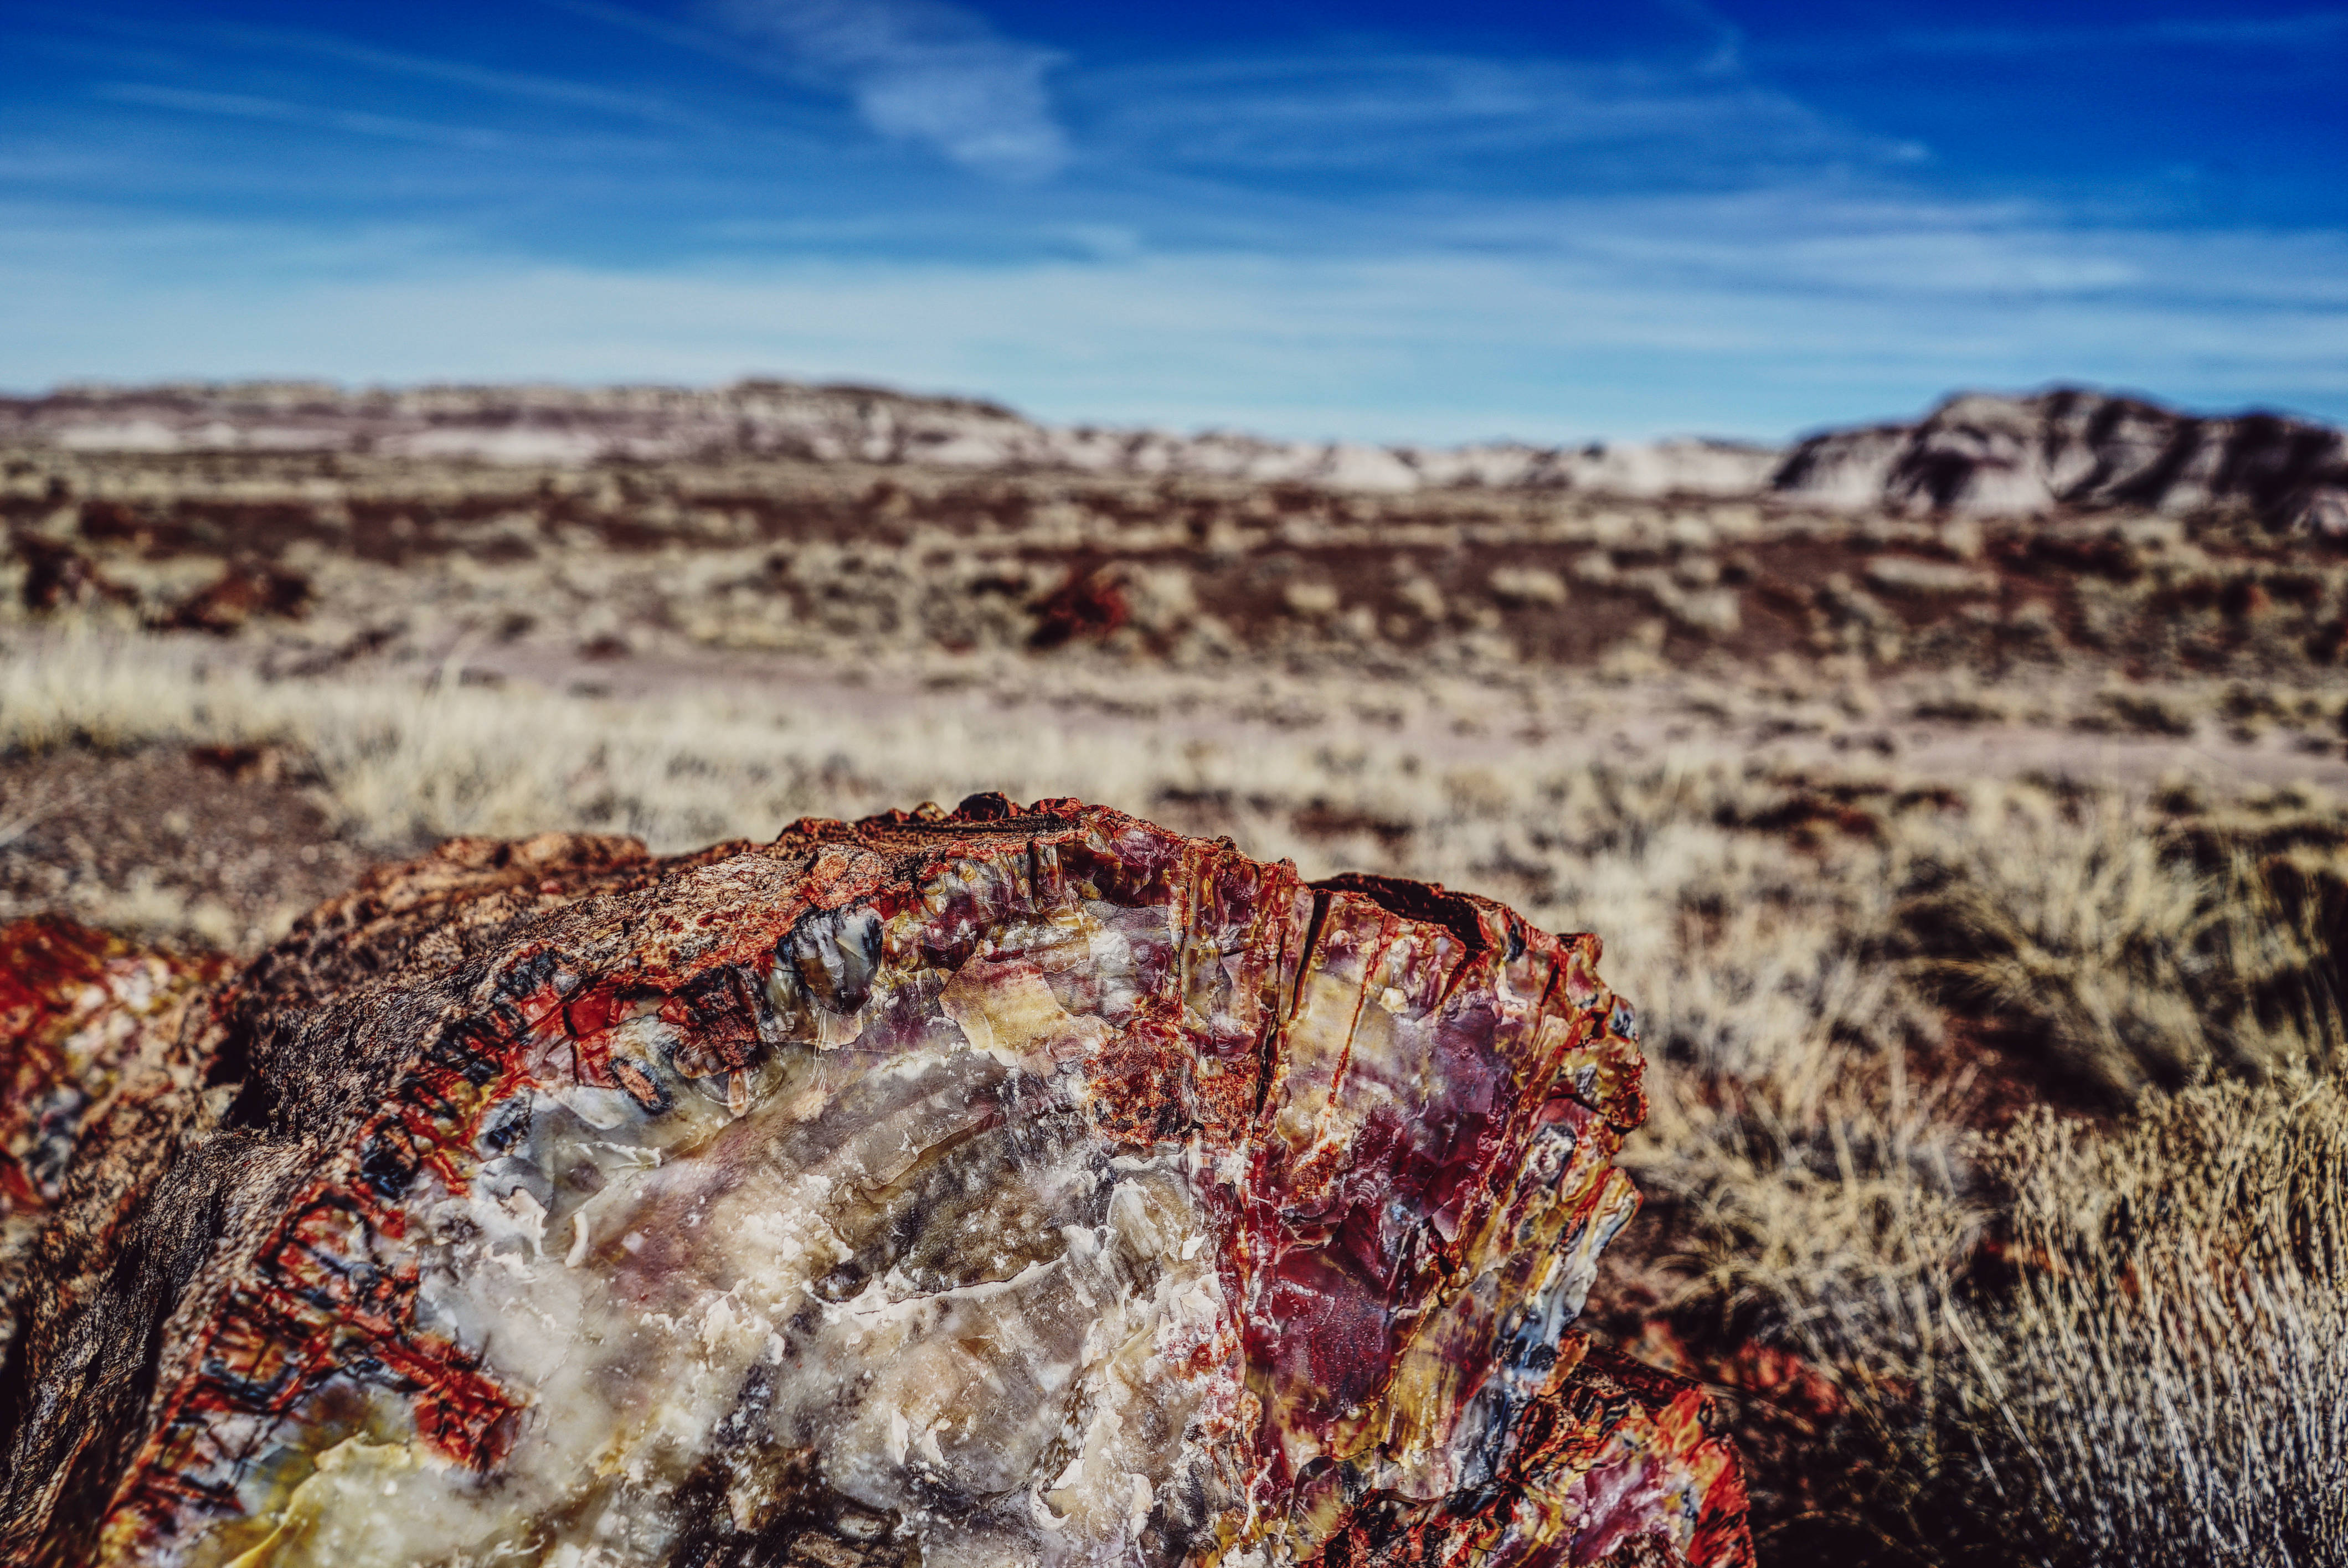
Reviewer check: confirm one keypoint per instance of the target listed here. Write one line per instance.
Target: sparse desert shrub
(1918, 576)
(1422, 598)
(2166, 1384)
(1310, 598)
(1816, 1188)
(1960, 702)
(2150, 713)
(2090, 937)
(1526, 585)
(1824, 1196)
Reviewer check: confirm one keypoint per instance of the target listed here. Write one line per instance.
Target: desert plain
(1960, 802)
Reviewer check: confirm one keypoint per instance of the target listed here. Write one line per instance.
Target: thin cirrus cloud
(1746, 314)
(1406, 235)
(244, 105)
(527, 85)
(2307, 29)
(1405, 113)
(919, 71)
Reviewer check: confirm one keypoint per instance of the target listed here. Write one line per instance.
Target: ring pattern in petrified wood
(1007, 1187)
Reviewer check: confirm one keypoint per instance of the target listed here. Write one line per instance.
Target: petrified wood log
(1007, 1187)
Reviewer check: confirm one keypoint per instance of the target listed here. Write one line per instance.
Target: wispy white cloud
(1638, 319)
(1397, 118)
(1722, 40)
(526, 86)
(920, 70)
(1382, 241)
(2306, 30)
(246, 106)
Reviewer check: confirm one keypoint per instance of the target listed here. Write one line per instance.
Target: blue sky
(1376, 220)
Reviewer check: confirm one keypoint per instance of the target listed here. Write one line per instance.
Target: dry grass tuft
(405, 761)
(2089, 932)
(2170, 1376)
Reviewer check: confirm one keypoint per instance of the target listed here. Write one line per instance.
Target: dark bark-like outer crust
(78, 1009)
(237, 1145)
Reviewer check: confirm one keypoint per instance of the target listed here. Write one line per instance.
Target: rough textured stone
(78, 1011)
(1008, 1187)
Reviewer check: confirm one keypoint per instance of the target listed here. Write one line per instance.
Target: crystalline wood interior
(1007, 1187)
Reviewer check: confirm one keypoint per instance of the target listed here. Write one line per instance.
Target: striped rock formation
(1002, 1187)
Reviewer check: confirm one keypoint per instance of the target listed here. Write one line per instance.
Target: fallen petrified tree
(1002, 1187)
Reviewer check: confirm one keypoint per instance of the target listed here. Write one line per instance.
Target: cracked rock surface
(1013, 1186)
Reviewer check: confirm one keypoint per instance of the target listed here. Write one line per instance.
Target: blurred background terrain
(1942, 791)
(492, 439)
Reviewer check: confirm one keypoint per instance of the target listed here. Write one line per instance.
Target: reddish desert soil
(221, 832)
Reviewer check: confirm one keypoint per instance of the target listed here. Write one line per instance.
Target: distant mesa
(561, 426)
(2072, 448)
(1988, 454)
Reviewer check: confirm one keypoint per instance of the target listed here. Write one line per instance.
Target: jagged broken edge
(230, 1079)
